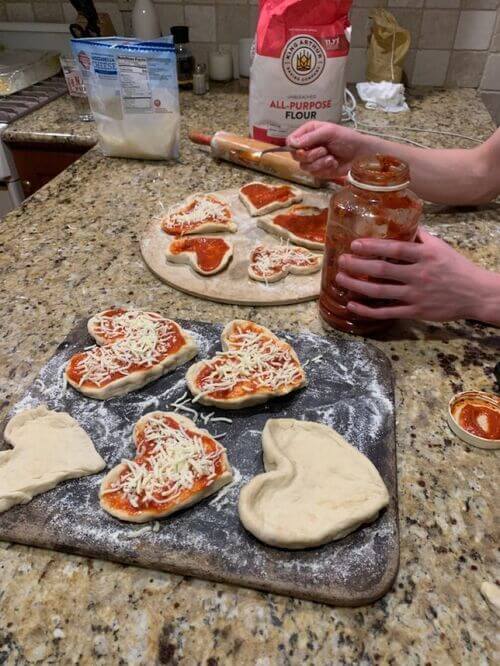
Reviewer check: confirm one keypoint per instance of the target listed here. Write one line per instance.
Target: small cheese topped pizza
(177, 464)
(207, 255)
(302, 225)
(199, 213)
(133, 348)
(270, 263)
(254, 366)
(262, 198)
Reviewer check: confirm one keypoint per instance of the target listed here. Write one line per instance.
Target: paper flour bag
(298, 70)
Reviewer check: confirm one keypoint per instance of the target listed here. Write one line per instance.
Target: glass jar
(376, 203)
(185, 59)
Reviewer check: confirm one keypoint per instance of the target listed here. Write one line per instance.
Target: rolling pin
(244, 151)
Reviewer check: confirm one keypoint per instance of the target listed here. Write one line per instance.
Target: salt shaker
(200, 79)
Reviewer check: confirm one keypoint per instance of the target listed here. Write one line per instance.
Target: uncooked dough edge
(138, 379)
(297, 196)
(189, 259)
(18, 421)
(274, 460)
(268, 225)
(247, 401)
(147, 516)
(286, 270)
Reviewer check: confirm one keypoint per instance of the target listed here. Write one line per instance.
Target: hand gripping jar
(376, 203)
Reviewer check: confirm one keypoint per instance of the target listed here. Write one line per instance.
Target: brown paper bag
(389, 44)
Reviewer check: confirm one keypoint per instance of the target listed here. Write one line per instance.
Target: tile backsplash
(454, 42)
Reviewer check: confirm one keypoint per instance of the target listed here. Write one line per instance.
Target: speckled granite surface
(56, 122)
(72, 250)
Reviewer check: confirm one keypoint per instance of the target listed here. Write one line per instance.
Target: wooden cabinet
(37, 163)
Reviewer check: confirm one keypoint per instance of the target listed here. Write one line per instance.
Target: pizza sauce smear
(480, 420)
(246, 379)
(209, 251)
(261, 194)
(168, 341)
(189, 217)
(303, 224)
(119, 500)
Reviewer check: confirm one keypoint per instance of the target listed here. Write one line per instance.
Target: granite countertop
(56, 122)
(72, 250)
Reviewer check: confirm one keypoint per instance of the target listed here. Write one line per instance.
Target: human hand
(326, 150)
(435, 282)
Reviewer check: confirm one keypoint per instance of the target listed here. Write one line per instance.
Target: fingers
(317, 136)
(309, 156)
(300, 131)
(329, 164)
(373, 289)
(388, 249)
(353, 265)
(391, 312)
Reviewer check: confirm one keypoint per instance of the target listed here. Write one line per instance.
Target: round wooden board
(233, 285)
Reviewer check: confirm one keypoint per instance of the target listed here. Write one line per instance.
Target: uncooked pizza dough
(47, 447)
(316, 487)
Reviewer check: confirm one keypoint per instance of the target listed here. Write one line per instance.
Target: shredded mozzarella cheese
(206, 208)
(171, 461)
(267, 260)
(137, 339)
(255, 361)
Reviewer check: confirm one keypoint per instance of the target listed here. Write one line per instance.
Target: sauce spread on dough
(113, 354)
(209, 251)
(310, 227)
(263, 364)
(480, 420)
(261, 194)
(201, 210)
(145, 447)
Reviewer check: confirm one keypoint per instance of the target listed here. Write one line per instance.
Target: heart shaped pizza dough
(316, 488)
(262, 198)
(47, 447)
(199, 213)
(271, 263)
(207, 255)
(254, 366)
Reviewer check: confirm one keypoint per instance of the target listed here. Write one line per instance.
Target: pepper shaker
(200, 79)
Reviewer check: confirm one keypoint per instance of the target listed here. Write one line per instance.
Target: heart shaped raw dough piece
(316, 488)
(207, 255)
(47, 447)
(262, 198)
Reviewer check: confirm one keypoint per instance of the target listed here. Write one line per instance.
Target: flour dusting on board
(349, 388)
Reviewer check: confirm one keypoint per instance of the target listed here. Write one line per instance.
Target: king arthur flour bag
(298, 71)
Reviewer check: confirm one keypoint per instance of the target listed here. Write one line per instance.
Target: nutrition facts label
(135, 84)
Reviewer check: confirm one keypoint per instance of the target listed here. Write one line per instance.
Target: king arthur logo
(303, 59)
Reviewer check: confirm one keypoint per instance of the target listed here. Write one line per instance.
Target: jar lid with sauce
(474, 416)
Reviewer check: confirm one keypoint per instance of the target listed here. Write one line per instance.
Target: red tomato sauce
(118, 499)
(176, 340)
(469, 420)
(308, 227)
(261, 195)
(209, 251)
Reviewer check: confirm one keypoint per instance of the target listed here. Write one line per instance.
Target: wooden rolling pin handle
(200, 138)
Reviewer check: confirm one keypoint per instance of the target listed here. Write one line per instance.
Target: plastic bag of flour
(298, 71)
(133, 94)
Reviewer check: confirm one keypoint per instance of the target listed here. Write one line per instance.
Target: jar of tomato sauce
(376, 203)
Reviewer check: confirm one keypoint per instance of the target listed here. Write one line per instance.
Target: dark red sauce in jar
(376, 203)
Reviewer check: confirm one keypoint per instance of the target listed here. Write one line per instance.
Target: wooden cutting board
(350, 388)
(233, 284)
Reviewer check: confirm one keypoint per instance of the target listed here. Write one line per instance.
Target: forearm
(451, 176)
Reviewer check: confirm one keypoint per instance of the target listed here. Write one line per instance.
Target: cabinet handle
(27, 186)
